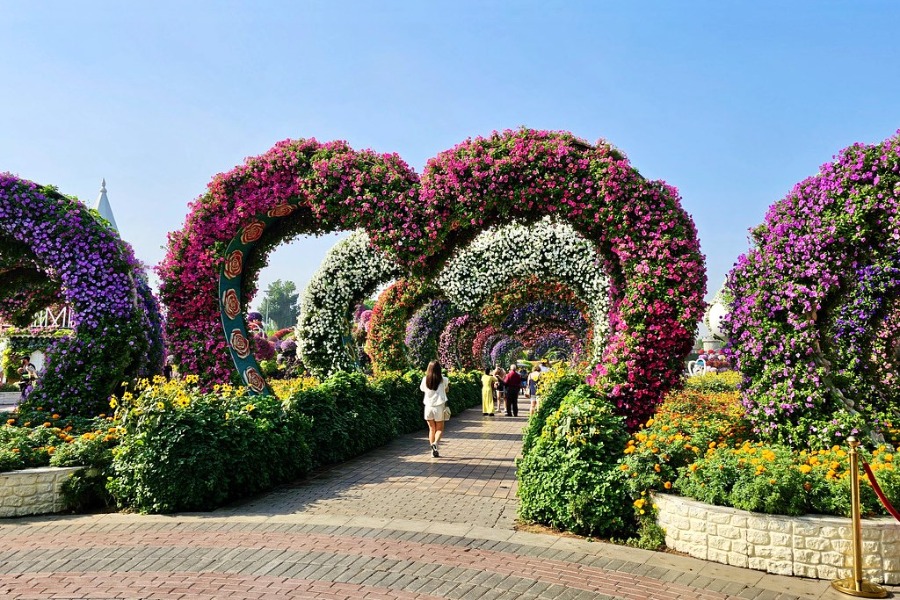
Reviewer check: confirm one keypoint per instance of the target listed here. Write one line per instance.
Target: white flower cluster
(351, 271)
(548, 249)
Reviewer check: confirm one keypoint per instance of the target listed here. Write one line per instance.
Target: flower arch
(814, 316)
(647, 243)
(117, 325)
(424, 330)
(350, 272)
(387, 327)
(298, 187)
(545, 251)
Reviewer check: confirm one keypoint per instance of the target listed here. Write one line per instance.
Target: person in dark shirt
(512, 382)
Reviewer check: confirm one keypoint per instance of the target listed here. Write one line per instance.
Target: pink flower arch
(648, 242)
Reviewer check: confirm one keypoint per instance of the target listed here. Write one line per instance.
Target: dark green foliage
(352, 414)
(550, 401)
(207, 453)
(216, 448)
(570, 478)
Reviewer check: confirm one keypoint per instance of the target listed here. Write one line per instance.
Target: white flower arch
(547, 248)
(349, 273)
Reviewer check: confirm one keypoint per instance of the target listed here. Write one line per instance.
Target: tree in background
(280, 304)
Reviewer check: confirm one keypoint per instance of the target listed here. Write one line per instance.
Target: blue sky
(732, 103)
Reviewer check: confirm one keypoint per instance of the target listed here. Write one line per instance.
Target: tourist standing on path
(512, 383)
(500, 375)
(28, 374)
(435, 385)
(487, 393)
(532, 386)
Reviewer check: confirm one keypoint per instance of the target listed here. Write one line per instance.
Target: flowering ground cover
(700, 444)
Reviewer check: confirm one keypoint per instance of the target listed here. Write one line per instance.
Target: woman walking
(487, 393)
(435, 385)
(533, 378)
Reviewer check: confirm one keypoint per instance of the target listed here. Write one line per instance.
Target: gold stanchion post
(856, 585)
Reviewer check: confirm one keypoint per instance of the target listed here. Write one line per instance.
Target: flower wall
(814, 320)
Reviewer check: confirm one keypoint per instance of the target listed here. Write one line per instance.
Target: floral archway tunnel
(647, 243)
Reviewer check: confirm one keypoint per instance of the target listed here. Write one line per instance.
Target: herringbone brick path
(395, 523)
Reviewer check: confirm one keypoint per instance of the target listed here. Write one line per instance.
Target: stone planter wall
(33, 491)
(808, 546)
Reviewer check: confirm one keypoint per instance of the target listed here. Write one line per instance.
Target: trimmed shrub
(570, 478)
(186, 450)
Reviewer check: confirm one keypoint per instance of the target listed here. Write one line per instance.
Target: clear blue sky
(732, 103)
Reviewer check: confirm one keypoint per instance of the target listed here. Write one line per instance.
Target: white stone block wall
(33, 491)
(808, 546)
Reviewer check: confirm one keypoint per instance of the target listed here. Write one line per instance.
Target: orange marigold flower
(668, 485)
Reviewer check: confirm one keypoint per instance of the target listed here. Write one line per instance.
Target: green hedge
(569, 476)
(197, 452)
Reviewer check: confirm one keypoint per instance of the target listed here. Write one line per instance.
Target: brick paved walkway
(393, 524)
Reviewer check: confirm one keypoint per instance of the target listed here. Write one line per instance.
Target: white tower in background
(102, 206)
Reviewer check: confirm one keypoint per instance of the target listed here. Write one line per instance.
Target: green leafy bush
(352, 414)
(186, 450)
(773, 478)
(553, 387)
(570, 478)
(86, 489)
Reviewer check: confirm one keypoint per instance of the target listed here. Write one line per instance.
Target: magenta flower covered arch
(647, 241)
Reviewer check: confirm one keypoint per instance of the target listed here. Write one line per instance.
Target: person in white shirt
(435, 385)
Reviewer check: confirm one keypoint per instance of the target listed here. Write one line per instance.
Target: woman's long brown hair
(433, 376)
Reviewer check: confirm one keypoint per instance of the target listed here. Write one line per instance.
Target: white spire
(102, 206)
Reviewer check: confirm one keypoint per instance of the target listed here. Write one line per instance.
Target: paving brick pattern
(393, 524)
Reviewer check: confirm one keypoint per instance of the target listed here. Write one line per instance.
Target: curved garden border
(117, 334)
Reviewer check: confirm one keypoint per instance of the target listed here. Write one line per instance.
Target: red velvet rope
(878, 492)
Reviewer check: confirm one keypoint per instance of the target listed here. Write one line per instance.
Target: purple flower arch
(811, 296)
(117, 325)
